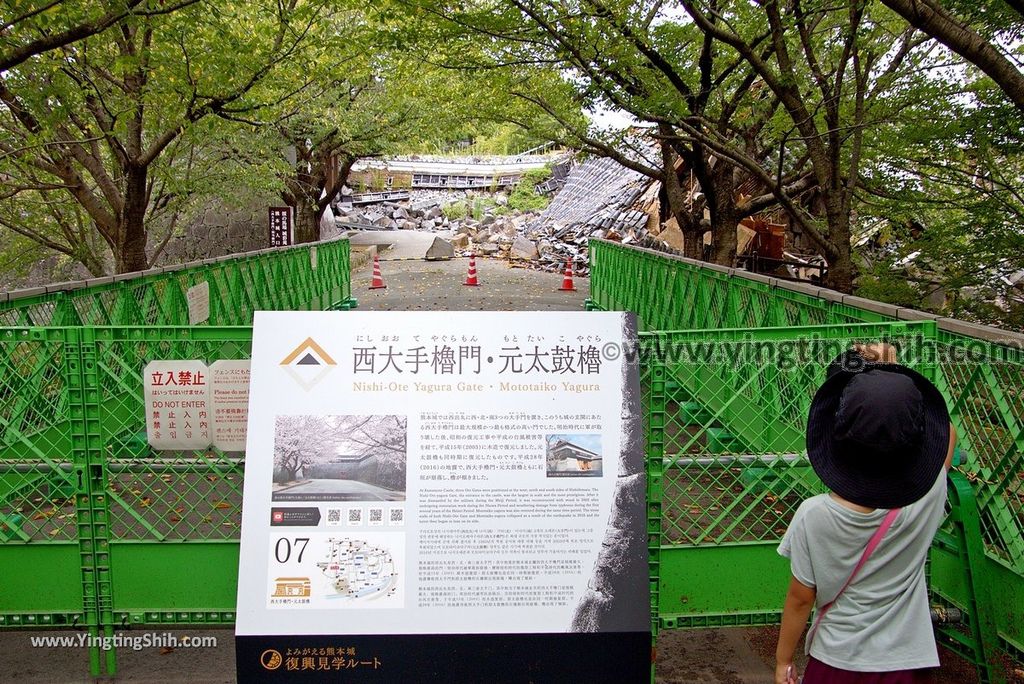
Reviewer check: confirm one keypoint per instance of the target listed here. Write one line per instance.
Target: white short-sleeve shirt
(881, 622)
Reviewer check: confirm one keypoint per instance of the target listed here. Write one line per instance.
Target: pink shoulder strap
(873, 543)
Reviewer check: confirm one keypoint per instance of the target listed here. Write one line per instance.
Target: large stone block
(524, 249)
(440, 249)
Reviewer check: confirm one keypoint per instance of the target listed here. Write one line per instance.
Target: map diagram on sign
(358, 569)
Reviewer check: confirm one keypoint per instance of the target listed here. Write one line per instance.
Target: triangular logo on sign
(314, 352)
(308, 364)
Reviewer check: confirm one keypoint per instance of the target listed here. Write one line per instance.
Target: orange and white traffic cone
(378, 280)
(567, 285)
(471, 276)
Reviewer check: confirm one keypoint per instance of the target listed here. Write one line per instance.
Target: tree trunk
(840, 262)
(723, 238)
(840, 271)
(689, 225)
(307, 220)
(720, 194)
(318, 215)
(724, 216)
(131, 250)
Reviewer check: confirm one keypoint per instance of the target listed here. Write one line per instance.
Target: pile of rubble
(524, 239)
(519, 239)
(599, 198)
(392, 216)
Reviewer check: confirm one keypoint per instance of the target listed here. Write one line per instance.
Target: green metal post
(981, 608)
(655, 427)
(81, 389)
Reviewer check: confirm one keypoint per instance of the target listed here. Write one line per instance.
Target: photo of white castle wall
(339, 458)
(574, 455)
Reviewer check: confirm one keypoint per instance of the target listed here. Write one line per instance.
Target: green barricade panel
(171, 512)
(719, 444)
(40, 557)
(726, 414)
(289, 278)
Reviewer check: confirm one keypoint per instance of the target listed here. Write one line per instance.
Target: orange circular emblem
(271, 659)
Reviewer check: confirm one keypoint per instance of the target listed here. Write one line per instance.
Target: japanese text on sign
(444, 359)
(280, 226)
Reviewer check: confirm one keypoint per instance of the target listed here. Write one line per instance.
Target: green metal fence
(726, 438)
(100, 532)
(96, 530)
(313, 276)
(127, 536)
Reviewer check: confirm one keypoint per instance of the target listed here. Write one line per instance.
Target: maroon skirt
(821, 673)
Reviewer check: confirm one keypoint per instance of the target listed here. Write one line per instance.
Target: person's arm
(952, 447)
(799, 601)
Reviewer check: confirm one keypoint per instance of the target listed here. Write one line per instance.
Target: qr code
(355, 516)
(397, 516)
(376, 516)
(333, 516)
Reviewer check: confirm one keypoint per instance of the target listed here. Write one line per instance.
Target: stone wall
(219, 230)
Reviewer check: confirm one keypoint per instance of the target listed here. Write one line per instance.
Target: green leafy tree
(944, 202)
(34, 28)
(976, 30)
(95, 132)
(835, 71)
(703, 105)
(382, 102)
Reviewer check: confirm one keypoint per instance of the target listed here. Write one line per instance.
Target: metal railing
(97, 531)
(312, 276)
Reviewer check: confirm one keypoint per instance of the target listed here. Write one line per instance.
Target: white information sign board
(457, 473)
(230, 403)
(198, 298)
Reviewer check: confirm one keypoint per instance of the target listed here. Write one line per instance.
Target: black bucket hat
(877, 433)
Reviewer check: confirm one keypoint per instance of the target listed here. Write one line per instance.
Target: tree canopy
(886, 132)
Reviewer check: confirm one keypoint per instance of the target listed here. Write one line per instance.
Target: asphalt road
(338, 490)
(417, 285)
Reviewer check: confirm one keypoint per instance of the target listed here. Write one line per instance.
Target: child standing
(879, 437)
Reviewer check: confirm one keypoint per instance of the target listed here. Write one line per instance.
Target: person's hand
(785, 673)
(877, 352)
